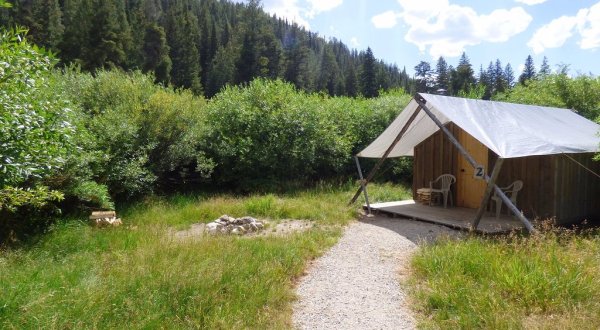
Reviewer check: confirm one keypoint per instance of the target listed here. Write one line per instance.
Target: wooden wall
(553, 186)
(433, 157)
(577, 190)
(536, 199)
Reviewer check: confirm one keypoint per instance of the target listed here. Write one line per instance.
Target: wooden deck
(454, 217)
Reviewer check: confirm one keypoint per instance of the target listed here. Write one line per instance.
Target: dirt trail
(358, 283)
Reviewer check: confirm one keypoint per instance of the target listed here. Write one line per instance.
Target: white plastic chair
(444, 181)
(511, 192)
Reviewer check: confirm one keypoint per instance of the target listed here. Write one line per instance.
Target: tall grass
(545, 281)
(141, 276)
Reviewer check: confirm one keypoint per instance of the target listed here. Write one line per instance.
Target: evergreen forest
(201, 45)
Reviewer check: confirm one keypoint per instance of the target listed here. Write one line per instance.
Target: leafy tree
(581, 93)
(528, 71)
(36, 133)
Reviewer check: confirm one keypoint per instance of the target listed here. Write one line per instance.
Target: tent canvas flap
(510, 130)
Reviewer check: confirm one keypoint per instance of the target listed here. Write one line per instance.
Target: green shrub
(35, 130)
(268, 133)
(142, 135)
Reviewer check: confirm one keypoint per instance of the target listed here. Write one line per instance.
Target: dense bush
(36, 131)
(94, 139)
(268, 133)
(580, 93)
(141, 135)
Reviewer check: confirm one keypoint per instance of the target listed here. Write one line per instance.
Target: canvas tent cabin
(549, 149)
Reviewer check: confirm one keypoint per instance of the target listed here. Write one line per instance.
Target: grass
(548, 281)
(140, 276)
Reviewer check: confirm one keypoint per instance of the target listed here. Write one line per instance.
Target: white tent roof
(510, 130)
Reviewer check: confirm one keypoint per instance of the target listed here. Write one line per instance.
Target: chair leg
(445, 199)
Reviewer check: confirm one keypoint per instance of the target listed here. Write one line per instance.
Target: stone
(237, 231)
(214, 228)
(247, 219)
(227, 218)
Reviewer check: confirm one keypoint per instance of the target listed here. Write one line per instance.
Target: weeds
(139, 275)
(542, 281)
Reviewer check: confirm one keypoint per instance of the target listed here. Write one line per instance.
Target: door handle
(462, 170)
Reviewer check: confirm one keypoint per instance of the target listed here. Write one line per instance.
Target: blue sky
(408, 31)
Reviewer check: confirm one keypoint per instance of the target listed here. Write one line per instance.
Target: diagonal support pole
(362, 184)
(385, 155)
(421, 101)
(488, 192)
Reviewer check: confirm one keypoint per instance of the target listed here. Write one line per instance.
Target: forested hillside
(199, 44)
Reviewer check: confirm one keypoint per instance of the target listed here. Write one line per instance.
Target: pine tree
(183, 35)
(222, 71)
(500, 84)
(156, 53)
(351, 82)
(329, 72)
(423, 75)
(297, 56)
(76, 20)
(368, 76)
(509, 75)
(464, 74)
(545, 68)
(485, 80)
(48, 25)
(442, 78)
(453, 88)
(528, 70)
(108, 36)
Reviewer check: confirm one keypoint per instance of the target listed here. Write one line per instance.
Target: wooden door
(470, 190)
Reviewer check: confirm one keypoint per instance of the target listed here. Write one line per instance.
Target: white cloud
(589, 29)
(385, 20)
(289, 9)
(320, 6)
(354, 42)
(531, 2)
(554, 34)
(300, 11)
(445, 29)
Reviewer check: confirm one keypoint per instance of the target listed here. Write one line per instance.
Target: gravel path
(357, 284)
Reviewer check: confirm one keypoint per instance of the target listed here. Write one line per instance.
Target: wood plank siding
(553, 186)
